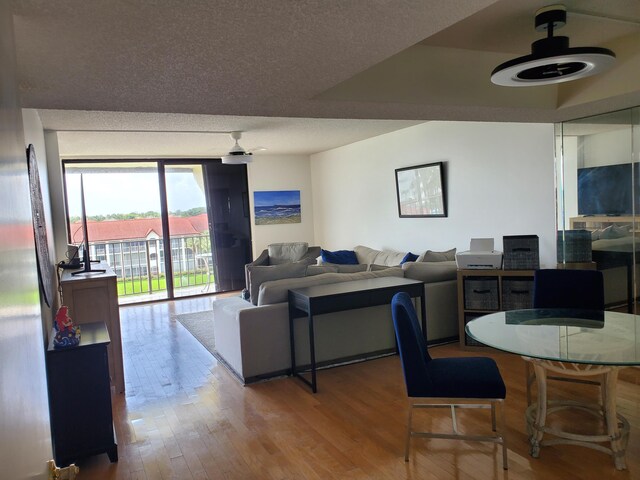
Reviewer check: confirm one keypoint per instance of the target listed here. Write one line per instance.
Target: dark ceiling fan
(551, 59)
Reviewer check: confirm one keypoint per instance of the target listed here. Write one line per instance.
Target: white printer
(480, 255)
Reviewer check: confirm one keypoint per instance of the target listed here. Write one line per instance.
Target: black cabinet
(80, 397)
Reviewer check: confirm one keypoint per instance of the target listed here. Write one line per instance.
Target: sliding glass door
(191, 255)
(168, 228)
(123, 221)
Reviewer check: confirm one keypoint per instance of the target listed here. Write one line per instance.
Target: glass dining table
(574, 343)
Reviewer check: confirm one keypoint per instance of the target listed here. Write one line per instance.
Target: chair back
(583, 289)
(412, 345)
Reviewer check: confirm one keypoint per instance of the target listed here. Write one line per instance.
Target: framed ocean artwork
(274, 207)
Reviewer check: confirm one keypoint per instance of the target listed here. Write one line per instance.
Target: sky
(107, 193)
(281, 197)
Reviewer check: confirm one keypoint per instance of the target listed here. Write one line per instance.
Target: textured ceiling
(217, 64)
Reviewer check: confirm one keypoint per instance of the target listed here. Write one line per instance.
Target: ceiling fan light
(551, 59)
(237, 158)
(569, 65)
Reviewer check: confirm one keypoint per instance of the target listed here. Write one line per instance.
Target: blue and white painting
(282, 206)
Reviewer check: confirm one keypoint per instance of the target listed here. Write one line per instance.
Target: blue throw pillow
(409, 257)
(343, 257)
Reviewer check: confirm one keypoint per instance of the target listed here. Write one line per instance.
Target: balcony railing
(140, 265)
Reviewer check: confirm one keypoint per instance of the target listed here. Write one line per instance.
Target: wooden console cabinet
(93, 297)
(481, 292)
(80, 397)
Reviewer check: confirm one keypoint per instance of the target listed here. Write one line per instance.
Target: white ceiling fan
(238, 155)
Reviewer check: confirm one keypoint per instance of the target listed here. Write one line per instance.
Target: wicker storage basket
(521, 252)
(574, 246)
(481, 293)
(517, 293)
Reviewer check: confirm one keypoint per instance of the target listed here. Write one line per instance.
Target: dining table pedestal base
(613, 442)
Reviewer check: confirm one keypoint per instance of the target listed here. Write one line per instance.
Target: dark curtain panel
(229, 222)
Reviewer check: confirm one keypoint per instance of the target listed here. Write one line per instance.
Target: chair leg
(406, 445)
(493, 416)
(454, 420)
(503, 433)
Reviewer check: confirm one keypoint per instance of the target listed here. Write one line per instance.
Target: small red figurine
(67, 335)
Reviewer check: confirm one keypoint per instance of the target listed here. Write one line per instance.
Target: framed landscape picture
(274, 207)
(421, 191)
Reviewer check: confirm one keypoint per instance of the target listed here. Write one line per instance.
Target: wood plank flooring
(184, 416)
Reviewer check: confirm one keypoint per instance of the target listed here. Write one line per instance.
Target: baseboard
(443, 341)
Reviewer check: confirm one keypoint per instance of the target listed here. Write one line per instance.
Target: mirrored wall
(598, 200)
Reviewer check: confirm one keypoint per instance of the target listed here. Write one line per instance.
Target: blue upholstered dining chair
(580, 289)
(457, 382)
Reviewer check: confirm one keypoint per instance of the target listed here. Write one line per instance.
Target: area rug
(200, 325)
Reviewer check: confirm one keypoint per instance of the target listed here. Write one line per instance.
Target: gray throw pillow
(280, 253)
(431, 256)
(615, 231)
(258, 274)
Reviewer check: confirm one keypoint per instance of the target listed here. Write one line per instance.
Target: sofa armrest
(311, 256)
(429, 272)
(263, 259)
(442, 311)
(226, 330)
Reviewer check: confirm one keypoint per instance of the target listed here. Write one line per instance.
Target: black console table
(80, 397)
(336, 297)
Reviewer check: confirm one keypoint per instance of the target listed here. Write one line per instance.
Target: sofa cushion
(346, 268)
(431, 256)
(374, 267)
(280, 253)
(352, 268)
(366, 255)
(277, 291)
(380, 257)
(429, 272)
(342, 257)
(258, 274)
(319, 269)
(389, 257)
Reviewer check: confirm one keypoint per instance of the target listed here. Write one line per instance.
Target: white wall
(288, 172)
(567, 180)
(57, 195)
(607, 148)
(34, 134)
(25, 436)
(499, 178)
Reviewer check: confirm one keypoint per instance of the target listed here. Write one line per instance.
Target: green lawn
(132, 287)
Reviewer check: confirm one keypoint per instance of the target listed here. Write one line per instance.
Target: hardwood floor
(184, 416)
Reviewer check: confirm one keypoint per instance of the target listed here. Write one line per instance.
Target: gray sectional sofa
(252, 340)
